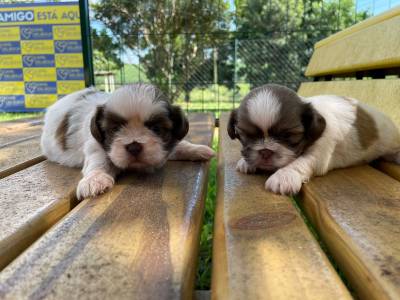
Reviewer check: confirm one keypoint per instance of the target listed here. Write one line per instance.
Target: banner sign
(41, 56)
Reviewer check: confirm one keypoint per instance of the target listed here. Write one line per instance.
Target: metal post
(86, 42)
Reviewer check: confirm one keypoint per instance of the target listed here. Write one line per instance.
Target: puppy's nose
(266, 153)
(134, 148)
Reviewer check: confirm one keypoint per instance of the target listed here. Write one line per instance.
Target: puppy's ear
(180, 122)
(314, 124)
(232, 124)
(95, 125)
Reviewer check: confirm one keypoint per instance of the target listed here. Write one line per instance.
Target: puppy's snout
(266, 153)
(134, 148)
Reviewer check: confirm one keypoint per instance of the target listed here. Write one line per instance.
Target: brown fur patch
(366, 128)
(62, 132)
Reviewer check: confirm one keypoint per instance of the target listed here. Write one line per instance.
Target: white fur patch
(135, 100)
(285, 181)
(243, 167)
(264, 109)
(95, 183)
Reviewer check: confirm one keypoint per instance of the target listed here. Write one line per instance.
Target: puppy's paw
(285, 182)
(96, 183)
(243, 167)
(202, 152)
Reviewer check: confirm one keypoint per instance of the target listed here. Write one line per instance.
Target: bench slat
(140, 240)
(31, 201)
(357, 213)
(383, 94)
(390, 169)
(262, 247)
(16, 131)
(372, 44)
(20, 156)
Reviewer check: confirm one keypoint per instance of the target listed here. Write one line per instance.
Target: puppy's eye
(156, 128)
(285, 135)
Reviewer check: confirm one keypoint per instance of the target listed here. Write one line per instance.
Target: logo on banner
(70, 74)
(38, 61)
(40, 88)
(36, 32)
(11, 75)
(68, 46)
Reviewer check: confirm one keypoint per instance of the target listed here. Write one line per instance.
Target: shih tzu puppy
(297, 137)
(134, 127)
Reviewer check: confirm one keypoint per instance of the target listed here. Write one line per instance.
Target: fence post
(86, 42)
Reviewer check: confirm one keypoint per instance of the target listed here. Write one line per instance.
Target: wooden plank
(139, 241)
(13, 132)
(20, 156)
(372, 44)
(382, 94)
(357, 213)
(262, 248)
(31, 201)
(390, 169)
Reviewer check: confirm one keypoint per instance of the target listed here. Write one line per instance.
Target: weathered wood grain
(11, 133)
(372, 44)
(262, 247)
(19, 156)
(138, 241)
(357, 213)
(31, 201)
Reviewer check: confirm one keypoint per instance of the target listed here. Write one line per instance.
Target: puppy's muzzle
(134, 148)
(266, 153)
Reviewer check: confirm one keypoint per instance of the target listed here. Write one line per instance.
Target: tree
(171, 37)
(105, 52)
(276, 38)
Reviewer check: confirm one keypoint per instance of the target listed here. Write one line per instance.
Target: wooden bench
(19, 145)
(140, 240)
(262, 247)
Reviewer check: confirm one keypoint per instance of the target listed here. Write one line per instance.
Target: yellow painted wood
(371, 44)
(382, 94)
(262, 247)
(357, 213)
(31, 201)
(138, 241)
(390, 169)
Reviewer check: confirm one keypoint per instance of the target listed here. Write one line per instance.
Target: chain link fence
(249, 43)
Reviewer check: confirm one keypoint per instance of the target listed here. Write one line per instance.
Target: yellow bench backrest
(368, 50)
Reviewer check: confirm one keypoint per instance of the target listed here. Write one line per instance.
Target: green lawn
(203, 277)
(16, 116)
(214, 98)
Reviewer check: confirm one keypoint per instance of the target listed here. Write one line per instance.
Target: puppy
(298, 138)
(135, 127)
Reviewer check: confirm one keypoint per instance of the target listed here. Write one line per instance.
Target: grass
(213, 98)
(203, 276)
(17, 116)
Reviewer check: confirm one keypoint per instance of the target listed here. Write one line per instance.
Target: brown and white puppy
(135, 127)
(297, 137)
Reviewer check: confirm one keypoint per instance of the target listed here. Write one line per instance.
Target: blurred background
(207, 54)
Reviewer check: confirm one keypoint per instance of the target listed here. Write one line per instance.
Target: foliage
(165, 35)
(283, 33)
(203, 277)
(105, 52)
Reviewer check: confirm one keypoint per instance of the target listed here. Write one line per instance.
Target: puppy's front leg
(289, 179)
(98, 172)
(188, 151)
